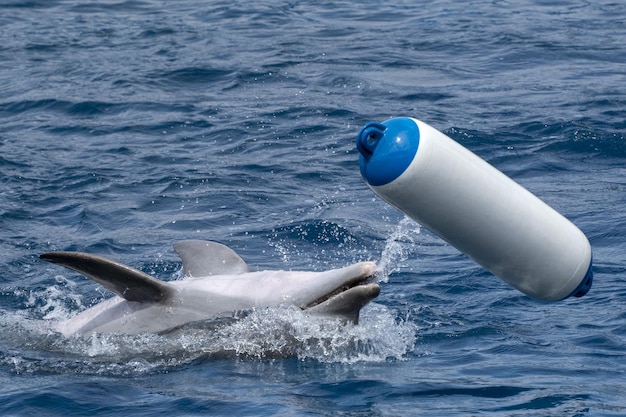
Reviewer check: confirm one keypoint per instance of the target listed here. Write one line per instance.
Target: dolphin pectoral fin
(347, 304)
(129, 283)
(202, 258)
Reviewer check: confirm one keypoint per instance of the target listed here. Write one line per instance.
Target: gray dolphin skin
(217, 284)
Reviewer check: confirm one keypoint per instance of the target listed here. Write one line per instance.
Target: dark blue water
(126, 126)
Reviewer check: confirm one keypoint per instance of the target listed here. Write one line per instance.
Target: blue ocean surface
(126, 126)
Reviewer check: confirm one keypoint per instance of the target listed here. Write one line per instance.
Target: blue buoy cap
(387, 149)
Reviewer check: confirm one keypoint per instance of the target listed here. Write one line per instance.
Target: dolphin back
(129, 283)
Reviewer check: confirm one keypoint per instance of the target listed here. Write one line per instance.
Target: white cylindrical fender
(475, 208)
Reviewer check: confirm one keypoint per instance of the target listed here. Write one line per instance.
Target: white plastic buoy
(475, 208)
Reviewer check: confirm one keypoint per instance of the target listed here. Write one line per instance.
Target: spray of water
(398, 247)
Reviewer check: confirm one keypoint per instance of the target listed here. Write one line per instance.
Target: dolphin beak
(347, 301)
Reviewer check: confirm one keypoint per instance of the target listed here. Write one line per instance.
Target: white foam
(289, 331)
(263, 334)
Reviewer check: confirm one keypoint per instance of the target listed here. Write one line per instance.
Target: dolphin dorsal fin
(129, 283)
(202, 258)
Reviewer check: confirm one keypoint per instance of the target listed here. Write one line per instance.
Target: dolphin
(217, 284)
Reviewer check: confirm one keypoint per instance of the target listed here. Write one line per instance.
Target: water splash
(32, 346)
(55, 302)
(288, 332)
(398, 247)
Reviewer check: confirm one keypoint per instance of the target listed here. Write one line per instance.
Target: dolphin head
(353, 289)
(341, 292)
(337, 292)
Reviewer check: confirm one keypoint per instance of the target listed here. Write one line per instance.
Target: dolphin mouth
(366, 284)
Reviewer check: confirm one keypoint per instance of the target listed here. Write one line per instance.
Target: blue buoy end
(387, 149)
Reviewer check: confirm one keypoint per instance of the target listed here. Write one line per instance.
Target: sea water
(128, 125)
